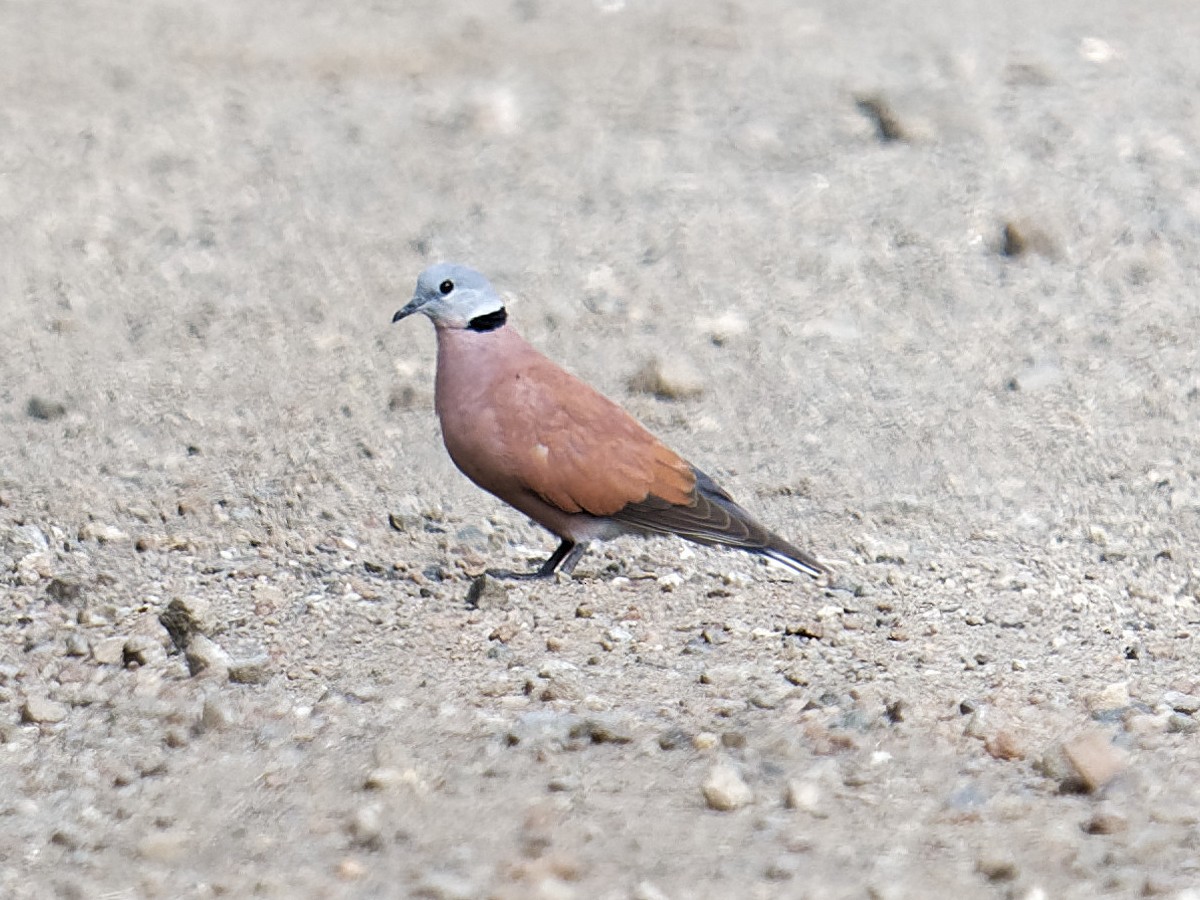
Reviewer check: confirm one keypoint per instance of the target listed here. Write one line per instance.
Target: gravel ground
(920, 282)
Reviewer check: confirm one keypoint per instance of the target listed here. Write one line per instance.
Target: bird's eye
(446, 287)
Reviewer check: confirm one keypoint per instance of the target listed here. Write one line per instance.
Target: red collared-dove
(549, 445)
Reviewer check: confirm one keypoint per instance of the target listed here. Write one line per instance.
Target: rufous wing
(579, 451)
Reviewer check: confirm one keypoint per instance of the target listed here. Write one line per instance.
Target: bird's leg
(564, 560)
(567, 550)
(571, 559)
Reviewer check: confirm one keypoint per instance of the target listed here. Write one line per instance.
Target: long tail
(796, 560)
(715, 518)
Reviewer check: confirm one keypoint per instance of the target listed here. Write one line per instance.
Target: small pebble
(797, 675)
(551, 888)
(406, 513)
(670, 582)
(1004, 745)
(674, 379)
(647, 890)
(1181, 702)
(93, 618)
(887, 125)
(1104, 822)
(250, 670)
(152, 765)
(487, 592)
(546, 729)
(216, 715)
(882, 550)
(64, 590)
(110, 651)
(66, 837)
(721, 329)
(184, 618)
(733, 740)
(977, 723)
(996, 867)
(147, 543)
(564, 784)
(725, 790)
(1094, 759)
(204, 654)
(366, 826)
(771, 698)
(563, 686)
(805, 796)
(363, 692)
(736, 579)
(385, 778)
(44, 410)
(350, 869)
(141, 650)
(609, 730)
(439, 885)
(1146, 723)
(1178, 723)
(504, 632)
(164, 847)
(673, 739)
(103, 534)
(1112, 696)
(42, 710)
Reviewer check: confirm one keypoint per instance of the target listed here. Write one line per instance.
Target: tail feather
(714, 517)
(799, 562)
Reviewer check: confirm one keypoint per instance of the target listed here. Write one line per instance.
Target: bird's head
(454, 296)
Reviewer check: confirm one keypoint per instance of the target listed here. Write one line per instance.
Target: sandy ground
(933, 267)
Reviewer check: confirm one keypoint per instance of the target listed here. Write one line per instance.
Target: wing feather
(713, 517)
(581, 452)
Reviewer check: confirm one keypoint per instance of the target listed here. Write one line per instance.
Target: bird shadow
(510, 575)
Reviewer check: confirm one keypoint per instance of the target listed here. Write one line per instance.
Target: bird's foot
(562, 560)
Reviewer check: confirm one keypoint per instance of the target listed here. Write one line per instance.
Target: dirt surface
(932, 269)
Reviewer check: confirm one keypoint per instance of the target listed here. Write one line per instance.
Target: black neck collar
(488, 321)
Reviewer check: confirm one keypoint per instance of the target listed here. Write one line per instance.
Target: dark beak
(413, 305)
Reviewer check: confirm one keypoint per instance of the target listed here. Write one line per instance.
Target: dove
(554, 448)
